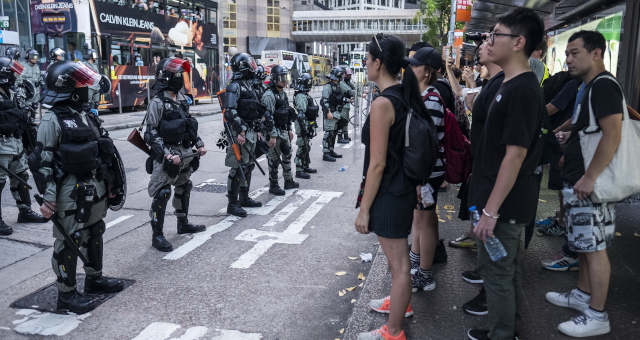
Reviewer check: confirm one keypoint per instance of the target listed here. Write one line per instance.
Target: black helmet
(304, 82)
(278, 74)
(12, 53)
(55, 53)
(9, 71)
(31, 53)
(336, 73)
(92, 54)
(68, 80)
(260, 73)
(243, 65)
(169, 74)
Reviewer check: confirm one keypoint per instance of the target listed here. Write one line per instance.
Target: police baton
(67, 238)
(14, 175)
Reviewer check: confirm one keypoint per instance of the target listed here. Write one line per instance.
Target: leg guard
(181, 198)
(94, 247)
(158, 208)
(64, 263)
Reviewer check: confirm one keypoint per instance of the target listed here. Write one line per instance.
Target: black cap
(426, 56)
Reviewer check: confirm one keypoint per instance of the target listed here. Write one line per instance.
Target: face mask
(175, 84)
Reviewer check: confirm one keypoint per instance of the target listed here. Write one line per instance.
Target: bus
(296, 63)
(130, 39)
(320, 68)
(357, 61)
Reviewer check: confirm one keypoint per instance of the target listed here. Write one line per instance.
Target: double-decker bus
(297, 63)
(320, 68)
(356, 61)
(130, 38)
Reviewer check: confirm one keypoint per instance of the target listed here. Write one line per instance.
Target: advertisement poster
(610, 26)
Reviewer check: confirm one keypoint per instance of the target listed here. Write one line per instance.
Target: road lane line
(230, 334)
(118, 220)
(285, 212)
(208, 181)
(200, 238)
(157, 331)
(193, 333)
(315, 207)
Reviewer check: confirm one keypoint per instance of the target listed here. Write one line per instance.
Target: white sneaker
(583, 326)
(568, 300)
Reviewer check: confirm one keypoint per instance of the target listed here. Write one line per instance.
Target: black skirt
(391, 215)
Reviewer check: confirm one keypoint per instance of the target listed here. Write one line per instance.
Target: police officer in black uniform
(171, 134)
(258, 82)
(243, 114)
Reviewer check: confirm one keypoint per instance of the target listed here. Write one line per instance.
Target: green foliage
(435, 14)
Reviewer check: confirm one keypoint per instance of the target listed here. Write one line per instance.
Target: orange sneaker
(381, 334)
(384, 306)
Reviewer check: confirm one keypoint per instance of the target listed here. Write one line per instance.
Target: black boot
(158, 207)
(291, 184)
(4, 228)
(302, 174)
(275, 189)
(327, 157)
(102, 285)
(26, 215)
(233, 207)
(341, 140)
(75, 302)
(441, 253)
(310, 170)
(334, 154)
(184, 227)
(245, 200)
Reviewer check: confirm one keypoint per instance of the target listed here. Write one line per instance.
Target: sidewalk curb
(131, 125)
(362, 319)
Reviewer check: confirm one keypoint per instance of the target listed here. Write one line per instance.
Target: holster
(85, 196)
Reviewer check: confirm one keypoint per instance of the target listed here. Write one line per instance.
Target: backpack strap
(409, 115)
(593, 124)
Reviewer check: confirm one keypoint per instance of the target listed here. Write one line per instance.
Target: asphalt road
(271, 275)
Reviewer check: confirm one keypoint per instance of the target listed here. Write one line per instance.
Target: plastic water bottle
(343, 168)
(494, 247)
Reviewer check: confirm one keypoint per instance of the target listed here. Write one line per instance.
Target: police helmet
(31, 53)
(169, 67)
(336, 73)
(9, 71)
(304, 82)
(243, 64)
(55, 53)
(260, 73)
(12, 53)
(92, 54)
(66, 79)
(347, 72)
(278, 74)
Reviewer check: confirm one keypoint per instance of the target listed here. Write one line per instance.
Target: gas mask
(175, 83)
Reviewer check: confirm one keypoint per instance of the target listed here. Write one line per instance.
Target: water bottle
(343, 168)
(494, 247)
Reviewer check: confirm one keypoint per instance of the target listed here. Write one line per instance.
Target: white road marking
(230, 334)
(193, 333)
(208, 181)
(200, 238)
(291, 235)
(157, 331)
(38, 323)
(118, 220)
(285, 212)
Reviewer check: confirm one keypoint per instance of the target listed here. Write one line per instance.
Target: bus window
(75, 46)
(141, 55)
(121, 53)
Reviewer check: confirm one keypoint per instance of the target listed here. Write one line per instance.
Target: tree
(435, 14)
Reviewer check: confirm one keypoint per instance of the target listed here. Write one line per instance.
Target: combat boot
(291, 184)
(102, 285)
(184, 227)
(75, 302)
(275, 189)
(327, 157)
(342, 140)
(158, 207)
(310, 170)
(334, 154)
(234, 207)
(246, 201)
(26, 215)
(302, 174)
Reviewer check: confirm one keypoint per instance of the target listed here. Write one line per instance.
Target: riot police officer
(171, 134)
(278, 118)
(79, 172)
(32, 74)
(94, 91)
(305, 125)
(12, 53)
(349, 90)
(13, 124)
(243, 114)
(332, 102)
(258, 83)
(55, 55)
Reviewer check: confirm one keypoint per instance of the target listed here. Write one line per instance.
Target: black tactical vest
(78, 151)
(177, 127)
(282, 114)
(12, 122)
(249, 107)
(336, 101)
(312, 109)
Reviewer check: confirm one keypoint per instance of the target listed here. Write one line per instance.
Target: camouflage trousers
(303, 142)
(278, 155)
(18, 165)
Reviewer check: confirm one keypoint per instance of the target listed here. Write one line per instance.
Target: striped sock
(413, 256)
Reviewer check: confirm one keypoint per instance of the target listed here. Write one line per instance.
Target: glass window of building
(273, 18)
(230, 16)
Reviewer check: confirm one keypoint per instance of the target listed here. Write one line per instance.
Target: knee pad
(97, 229)
(188, 186)
(164, 193)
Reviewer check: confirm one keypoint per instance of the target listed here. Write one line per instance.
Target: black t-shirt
(606, 99)
(481, 108)
(446, 93)
(564, 101)
(514, 118)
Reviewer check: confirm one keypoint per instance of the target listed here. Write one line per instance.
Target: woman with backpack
(424, 64)
(388, 195)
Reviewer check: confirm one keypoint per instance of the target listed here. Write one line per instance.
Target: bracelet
(489, 215)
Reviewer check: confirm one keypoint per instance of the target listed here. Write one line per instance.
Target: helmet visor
(176, 65)
(252, 64)
(83, 75)
(16, 67)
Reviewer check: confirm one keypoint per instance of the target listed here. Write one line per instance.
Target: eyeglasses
(492, 36)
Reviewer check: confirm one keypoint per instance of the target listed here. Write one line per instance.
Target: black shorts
(391, 215)
(435, 184)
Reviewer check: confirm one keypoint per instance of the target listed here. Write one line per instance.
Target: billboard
(610, 26)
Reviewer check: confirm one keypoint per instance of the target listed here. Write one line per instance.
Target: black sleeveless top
(393, 180)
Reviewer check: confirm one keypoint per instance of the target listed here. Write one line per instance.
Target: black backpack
(420, 149)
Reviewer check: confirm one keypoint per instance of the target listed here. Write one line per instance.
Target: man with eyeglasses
(504, 181)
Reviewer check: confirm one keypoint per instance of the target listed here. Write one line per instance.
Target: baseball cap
(427, 56)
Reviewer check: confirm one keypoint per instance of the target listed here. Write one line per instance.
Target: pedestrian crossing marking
(40, 323)
(163, 330)
(118, 220)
